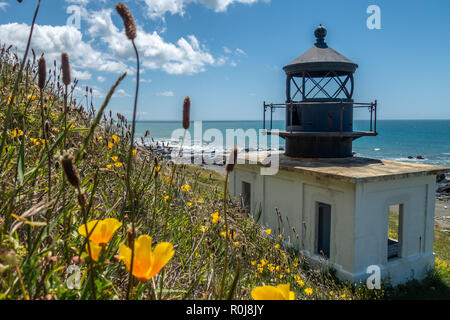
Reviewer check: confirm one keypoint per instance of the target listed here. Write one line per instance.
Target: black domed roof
(320, 59)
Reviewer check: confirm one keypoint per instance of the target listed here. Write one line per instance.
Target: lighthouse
(332, 207)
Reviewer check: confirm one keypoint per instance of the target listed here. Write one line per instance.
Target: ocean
(396, 140)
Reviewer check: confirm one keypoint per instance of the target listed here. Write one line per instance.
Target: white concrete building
(336, 211)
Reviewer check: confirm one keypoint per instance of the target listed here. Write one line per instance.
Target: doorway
(323, 229)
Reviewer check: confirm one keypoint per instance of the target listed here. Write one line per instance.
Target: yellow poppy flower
(16, 133)
(158, 169)
(280, 292)
(146, 263)
(115, 138)
(35, 141)
(100, 138)
(308, 291)
(95, 250)
(9, 99)
(215, 217)
(268, 231)
(109, 166)
(103, 231)
(110, 145)
(236, 243)
(189, 204)
(31, 97)
(118, 164)
(115, 158)
(133, 152)
(166, 198)
(186, 187)
(200, 200)
(277, 246)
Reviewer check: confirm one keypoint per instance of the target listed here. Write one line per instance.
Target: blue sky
(227, 55)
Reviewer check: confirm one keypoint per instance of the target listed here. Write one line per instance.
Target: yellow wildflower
(100, 138)
(16, 133)
(95, 250)
(115, 138)
(215, 217)
(280, 292)
(186, 187)
(236, 243)
(308, 291)
(166, 198)
(133, 152)
(189, 204)
(146, 262)
(118, 164)
(203, 229)
(110, 144)
(200, 200)
(277, 246)
(101, 230)
(108, 166)
(35, 141)
(115, 158)
(268, 231)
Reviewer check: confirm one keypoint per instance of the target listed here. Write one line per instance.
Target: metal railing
(372, 107)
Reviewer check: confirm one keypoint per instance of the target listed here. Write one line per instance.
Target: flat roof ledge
(353, 169)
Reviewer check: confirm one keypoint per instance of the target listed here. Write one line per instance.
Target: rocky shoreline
(164, 151)
(443, 187)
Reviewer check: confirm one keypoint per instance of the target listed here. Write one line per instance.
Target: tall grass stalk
(16, 85)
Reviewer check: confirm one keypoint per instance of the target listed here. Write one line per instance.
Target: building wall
(373, 199)
(359, 219)
(296, 197)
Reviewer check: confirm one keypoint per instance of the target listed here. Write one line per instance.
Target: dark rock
(410, 157)
(420, 157)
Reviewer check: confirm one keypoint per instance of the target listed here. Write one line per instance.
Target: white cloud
(121, 93)
(240, 52)
(101, 79)
(3, 5)
(165, 93)
(187, 56)
(227, 50)
(157, 8)
(81, 75)
(53, 40)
